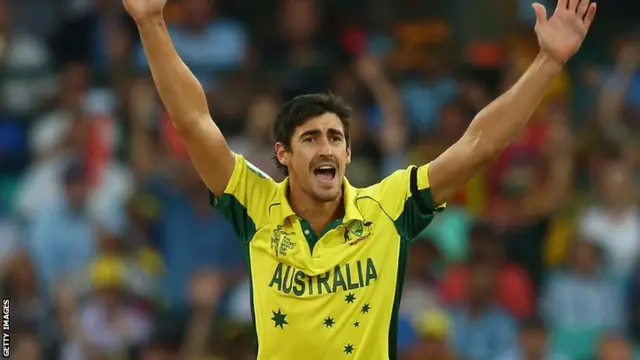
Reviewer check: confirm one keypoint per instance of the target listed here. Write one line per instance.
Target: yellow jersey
(334, 295)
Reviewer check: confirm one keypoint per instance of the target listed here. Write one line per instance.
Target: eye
(308, 139)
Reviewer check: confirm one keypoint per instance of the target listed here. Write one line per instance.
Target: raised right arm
(184, 99)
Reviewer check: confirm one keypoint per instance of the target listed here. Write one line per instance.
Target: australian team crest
(357, 231)
(281, 241)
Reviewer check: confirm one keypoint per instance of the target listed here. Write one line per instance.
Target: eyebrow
(316, 132)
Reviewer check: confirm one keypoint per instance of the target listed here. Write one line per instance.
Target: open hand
(628, 59)
(206, 289)
(141, 10)
(369, 68)
(561, 35)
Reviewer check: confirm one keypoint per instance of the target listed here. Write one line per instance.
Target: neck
(318, 213)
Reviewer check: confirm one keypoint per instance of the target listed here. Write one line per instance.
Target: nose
(324, 147)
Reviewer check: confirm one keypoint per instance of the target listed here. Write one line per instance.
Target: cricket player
(326, 259)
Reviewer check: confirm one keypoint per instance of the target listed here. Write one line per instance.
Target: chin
(327, 195)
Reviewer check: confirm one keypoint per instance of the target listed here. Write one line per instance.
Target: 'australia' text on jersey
(349, 276)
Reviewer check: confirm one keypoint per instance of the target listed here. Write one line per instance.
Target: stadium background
(109, 250)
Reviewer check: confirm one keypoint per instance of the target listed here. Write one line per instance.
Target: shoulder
(247, 177)
(590, 218)
(54, 212)
(394, 186)
(247, 198)
(405, 196)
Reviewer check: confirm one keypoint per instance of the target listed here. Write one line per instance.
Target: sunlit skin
(319, 142)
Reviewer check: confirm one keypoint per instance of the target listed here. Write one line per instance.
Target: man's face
(485, 248)
(586, 258)
(318, 157)
(616, 184)
(298, 19)
(482, 284)
(197, 12)
(76, 193)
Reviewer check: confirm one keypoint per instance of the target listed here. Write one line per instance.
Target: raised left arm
(493, 129)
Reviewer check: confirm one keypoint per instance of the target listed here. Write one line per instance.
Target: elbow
(481, 149)
(188, 124)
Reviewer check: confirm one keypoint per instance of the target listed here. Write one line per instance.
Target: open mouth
(325, 173)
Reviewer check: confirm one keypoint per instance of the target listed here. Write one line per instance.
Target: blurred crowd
(109, 249)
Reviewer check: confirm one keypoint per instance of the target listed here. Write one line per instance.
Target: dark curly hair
(302, 109)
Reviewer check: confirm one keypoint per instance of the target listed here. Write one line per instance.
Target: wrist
(547, 63)
(150, 21)
(205, 308)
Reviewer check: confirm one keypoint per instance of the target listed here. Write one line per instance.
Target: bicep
(451, 171)
(210, 154)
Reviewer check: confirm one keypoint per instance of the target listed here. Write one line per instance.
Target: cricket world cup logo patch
(281, 242)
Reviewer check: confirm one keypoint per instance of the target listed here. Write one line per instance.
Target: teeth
(325, 168)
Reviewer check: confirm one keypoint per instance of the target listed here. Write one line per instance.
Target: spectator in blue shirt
(193, 237)
(482, 330)
(534, 343)
(584, 297)
(63, 238)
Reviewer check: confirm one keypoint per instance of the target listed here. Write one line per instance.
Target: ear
(282, 154)
(348, 154)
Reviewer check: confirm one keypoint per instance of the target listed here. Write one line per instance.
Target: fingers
(591, 14)
(541, 13)
(562, 5)
(572, 5)
(581, 10)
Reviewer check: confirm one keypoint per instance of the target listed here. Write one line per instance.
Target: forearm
(197, 334)
(387, 98)
(180, 91)
(506, 117)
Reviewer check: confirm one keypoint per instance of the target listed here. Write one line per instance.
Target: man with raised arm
(326, 259)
